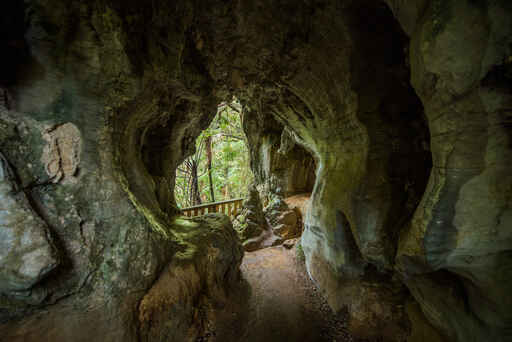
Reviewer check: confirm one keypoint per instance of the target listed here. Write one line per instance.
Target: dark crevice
(499, 77)
(393, 115)
(12, 41)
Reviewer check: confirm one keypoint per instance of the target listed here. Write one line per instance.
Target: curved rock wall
(458, 237)
(405, 108)
(280, 166)
(93, 129)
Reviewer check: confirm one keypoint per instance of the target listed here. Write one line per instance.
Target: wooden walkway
(230, 207)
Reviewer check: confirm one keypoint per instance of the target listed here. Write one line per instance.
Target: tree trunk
(226, 188)
(209, 156)
(194, 194)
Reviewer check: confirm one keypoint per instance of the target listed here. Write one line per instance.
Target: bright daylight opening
(219, 169)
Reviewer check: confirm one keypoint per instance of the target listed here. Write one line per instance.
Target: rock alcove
(404, 107)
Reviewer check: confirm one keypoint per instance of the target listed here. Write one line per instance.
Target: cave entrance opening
(217, 175)
(248, 166)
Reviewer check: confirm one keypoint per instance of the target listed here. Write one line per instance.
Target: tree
(209, 157)
(188, 172)
(222, 154)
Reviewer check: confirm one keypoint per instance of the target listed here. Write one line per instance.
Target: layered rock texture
(27, 254)
(404, 106)
(252, 225)
(280, 166)
(285, 221)
(251, 222)
(180, 304)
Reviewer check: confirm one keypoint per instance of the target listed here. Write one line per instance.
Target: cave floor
(280, 303)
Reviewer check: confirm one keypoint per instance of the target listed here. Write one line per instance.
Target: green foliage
(231, 174)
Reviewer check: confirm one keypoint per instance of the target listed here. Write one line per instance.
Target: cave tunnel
(394, 115)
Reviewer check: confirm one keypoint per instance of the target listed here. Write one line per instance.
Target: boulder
(179, 306)
(250, 223)
(27, 253)
(288, 224)
(285, 221)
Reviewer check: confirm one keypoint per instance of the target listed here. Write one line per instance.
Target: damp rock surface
(194, 283)
(395, 115)
(251, 222)
(27, 254)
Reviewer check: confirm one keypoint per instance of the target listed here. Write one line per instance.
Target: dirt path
(280, 303)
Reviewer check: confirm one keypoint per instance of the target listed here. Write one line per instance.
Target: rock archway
(405, 110)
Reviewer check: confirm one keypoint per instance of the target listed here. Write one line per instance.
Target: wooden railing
(229, 207)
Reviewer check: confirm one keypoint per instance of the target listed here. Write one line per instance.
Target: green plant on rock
(299, 252)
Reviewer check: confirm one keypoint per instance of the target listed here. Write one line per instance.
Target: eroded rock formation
(280, 166)
(179, 305)
(27, 253)
(404, 106)
(250, 222)
(283, 220)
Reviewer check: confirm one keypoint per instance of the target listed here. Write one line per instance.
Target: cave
(395, 115)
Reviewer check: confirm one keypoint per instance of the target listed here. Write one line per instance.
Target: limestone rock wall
(251, 223)
(378, 108)
(93, 125)
(463, 79)
(179, 305)
(281, 167)
(28, 254)
(404, 106)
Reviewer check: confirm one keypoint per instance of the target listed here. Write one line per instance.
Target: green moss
(148, 213)
(151, 214)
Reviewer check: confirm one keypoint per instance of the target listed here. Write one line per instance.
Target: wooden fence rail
(229, 207)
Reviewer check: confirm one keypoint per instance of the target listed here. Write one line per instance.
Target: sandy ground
(300, 201)
(276, 301)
